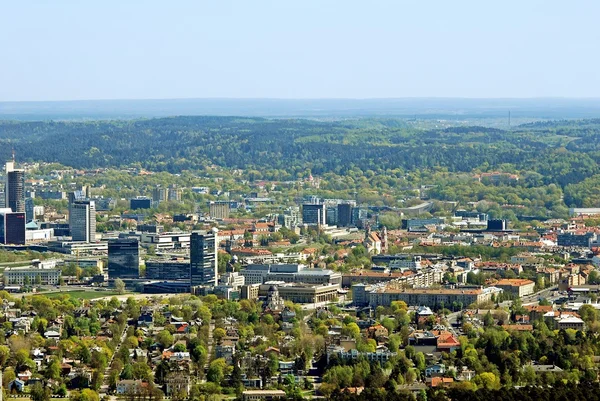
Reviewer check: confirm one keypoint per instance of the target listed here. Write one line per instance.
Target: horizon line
(303, 99)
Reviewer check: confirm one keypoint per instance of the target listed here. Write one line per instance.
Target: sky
(145, 49)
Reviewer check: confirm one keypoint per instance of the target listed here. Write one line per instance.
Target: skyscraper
(344, 211)
(314, 214)
(83, 220)
(123, 258)
(15, 188)
(72, 197)
(203, 258)
(12, 227)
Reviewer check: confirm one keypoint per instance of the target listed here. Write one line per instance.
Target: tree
(120, 286)
(165, 339)
(219, 334)
(39, 393)
(216, 371)
(53, 371)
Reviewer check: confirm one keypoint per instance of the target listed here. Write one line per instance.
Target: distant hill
(285, 147)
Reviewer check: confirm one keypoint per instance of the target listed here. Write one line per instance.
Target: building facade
(123, 258)
(203, 258)
(15, 188)
(83, 220)
(219, 210)
(314, 214)
(12, 227)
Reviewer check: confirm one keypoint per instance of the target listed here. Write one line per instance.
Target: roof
(514, 282)
(518, 327)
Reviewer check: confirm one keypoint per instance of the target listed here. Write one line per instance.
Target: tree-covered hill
(563, 152)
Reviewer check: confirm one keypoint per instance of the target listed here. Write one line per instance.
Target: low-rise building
(265, 395)
(37, 274)
(517, 287)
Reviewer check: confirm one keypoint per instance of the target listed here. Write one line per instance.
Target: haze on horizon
(68, 50)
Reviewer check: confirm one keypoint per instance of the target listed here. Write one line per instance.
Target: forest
(558, 158)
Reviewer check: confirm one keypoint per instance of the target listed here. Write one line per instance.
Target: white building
(32, 274)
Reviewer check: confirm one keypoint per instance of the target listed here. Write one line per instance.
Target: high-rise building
(314, 214)
(12, 227)
(72, 197)
(15, 188)
(123, 258)
(29, 210)
(344, 214)
(174, 194)
(218, 209)
(203, 258)
(83, 220)
(160, 194)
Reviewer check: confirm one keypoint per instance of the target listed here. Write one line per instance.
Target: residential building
(83, 220)
(203, 258)
(219, 210)
(576, 240)
(123, 258)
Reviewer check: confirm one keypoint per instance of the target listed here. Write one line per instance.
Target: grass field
(81, 294)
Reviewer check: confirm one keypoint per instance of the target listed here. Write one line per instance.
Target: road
(104, 387)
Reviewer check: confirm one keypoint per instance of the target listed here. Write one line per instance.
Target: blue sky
(129, 49)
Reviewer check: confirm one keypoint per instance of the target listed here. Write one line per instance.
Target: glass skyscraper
(123, 258)
(203, 258)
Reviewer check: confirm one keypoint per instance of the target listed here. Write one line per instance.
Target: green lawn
(81, 294)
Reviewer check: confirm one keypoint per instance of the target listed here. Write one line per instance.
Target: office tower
(72, 197)
(331, 215)
(203, 258)
(83, 220)
(344, 214)
(314, 214)
(123, 258)
(29, 210)
(219, 210)
(12, 227)
(140, 203)
(14, 188)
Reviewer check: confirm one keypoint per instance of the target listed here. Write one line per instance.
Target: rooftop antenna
(13, 154)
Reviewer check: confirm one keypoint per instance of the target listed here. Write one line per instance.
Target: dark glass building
(203, 258)
(123, 258)
(168, 270)
(12, 227)
(15, 190)
(344, 214)
(314, 214)
(140, 203)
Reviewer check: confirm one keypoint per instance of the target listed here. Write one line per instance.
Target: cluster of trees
(584, 391)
